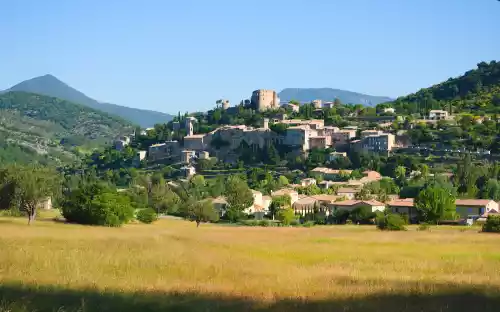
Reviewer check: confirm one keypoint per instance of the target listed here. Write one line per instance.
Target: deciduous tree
(434, 204)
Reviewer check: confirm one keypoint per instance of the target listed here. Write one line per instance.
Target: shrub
(295, 223)
(13, 212)
(94, 204)
(362, 215)
(320, 218)
(492, 224)
(264, 223)
(250, 222)
(424, 227)
(308, 224)
(286, 216)
(340, 216)
(147, 215)
(391, 222)
(406, 218)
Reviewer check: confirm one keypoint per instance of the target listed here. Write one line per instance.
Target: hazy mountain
(51, 86)
(328, 94)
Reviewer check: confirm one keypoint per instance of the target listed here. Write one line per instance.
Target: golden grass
(260, 265)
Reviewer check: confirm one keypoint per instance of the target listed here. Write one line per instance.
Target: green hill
(51, 86)
(40, 128)
(477, 90)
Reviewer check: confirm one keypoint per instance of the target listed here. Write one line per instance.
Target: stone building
(187, 156)
(263, 100)
(383, 142)
(163, 150)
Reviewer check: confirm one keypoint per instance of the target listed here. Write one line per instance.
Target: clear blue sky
(184, 55)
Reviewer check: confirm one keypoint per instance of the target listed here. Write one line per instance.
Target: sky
(183, 55)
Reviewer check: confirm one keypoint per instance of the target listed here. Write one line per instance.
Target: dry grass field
(173, 266)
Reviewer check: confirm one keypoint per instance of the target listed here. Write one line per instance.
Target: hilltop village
(328, 187)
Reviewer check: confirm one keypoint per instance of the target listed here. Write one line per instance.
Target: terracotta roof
(258, 207)
(346, 190)
(357, 202)
(403, 202)
(305, 201)
(372, 175)
(283, 192)
(472, 202)
(324, 197)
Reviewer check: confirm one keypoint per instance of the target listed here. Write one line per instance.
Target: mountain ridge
(329, 94)
(50, 85)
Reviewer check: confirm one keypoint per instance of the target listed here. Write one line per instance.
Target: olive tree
(26, 187)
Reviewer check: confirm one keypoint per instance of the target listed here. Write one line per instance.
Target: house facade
(350, 205)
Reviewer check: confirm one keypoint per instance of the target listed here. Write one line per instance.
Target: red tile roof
(325, 197)
(402, 202)
(357, 202)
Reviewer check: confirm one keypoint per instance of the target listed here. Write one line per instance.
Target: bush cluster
(423, 227)
(391, 222)
(147, 215)
(492, 224)
(95, 204)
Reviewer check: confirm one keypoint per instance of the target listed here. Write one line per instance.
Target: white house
(437, 114)
(389, 110)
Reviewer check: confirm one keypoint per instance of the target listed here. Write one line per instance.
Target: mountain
(51, 86)
(477, 90)
(328, 94)
(39, 128)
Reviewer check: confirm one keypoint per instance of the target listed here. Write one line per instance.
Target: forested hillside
(51, 86)
(40, 128)
(477, 90)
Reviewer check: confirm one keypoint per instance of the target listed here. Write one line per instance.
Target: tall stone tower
(189, 121)
(265, 99)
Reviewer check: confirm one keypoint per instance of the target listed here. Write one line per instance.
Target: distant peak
(47, 76)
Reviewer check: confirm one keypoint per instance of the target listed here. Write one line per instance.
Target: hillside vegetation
(51, 86)
(478, 90)
(174, 266)
(40, 128)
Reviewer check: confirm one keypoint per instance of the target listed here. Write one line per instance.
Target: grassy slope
(172, 266)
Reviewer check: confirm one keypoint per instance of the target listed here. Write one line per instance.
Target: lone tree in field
(201, 211)
(238, 196)
(26, 187)
(434, 204)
